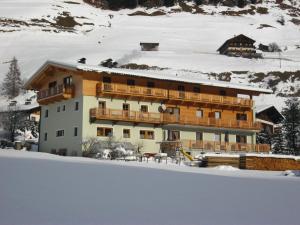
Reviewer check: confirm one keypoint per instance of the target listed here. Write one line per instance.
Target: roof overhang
(99, 69)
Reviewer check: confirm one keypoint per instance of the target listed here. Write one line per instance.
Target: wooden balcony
(213, 146)
(165, 119)
(126, 116)
(209, 99)
(122, 90)
(58, 93)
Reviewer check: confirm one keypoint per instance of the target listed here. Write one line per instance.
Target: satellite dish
(162, 108)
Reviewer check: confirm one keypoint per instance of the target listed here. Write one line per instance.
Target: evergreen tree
(291, 125)
(12, 83)
(278, 145)
(264, 137)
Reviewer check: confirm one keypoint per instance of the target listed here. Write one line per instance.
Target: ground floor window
(218, 137)
(104, 131)
(60, 133)
(146, 134)
(126, 133)
(241, 139)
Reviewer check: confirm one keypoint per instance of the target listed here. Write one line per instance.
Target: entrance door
(173, 135)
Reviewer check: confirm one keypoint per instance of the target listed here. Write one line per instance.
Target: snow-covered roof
(196, 79)
(271, 110)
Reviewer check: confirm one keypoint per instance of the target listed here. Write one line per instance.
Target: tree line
(131, 4)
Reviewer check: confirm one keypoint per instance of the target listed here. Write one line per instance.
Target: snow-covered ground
(39, 188)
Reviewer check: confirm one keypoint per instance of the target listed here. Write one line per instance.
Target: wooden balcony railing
(171, 95)
(213, 146)
(122, 89)
(127, 116)
(164, 118)
(56, 93)
(208, 98)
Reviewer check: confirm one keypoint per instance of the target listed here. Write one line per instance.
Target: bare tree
(89, 146)
(12, 82)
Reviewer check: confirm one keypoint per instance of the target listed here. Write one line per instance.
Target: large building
(147, 110)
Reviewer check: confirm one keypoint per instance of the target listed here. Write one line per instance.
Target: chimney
(82, 60)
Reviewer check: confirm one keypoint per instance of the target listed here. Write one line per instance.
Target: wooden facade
(239, 46)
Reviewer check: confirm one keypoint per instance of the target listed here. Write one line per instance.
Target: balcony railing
(60, 92)
(127, 116)
(214, 146)
(123, 89)
(164, 118)
(171, 95)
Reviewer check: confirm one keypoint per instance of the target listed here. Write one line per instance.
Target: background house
(239, 46)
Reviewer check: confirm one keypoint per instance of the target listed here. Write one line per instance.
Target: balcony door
(150, 86)
(102, 107)
(52, 88)
(174, 112)
(181, 91)
(107, 83)
(126, 110)
(68, 81)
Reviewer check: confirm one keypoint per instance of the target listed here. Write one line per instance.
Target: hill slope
(68, 30)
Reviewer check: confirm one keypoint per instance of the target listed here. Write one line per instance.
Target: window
(58, 108)
(144, 108)
(223, 92)
(76, 106)
(64, 108)
(106, 80)
(196, 89)
(60, 133)
(126, 107)
(226, 138)
(52, 84)
(46, 113)
(199, 136)
(150, 84)
(130, 82)
(146, 134)
(241, 139)
(46, 136)
(199, 113)
(173, 135)
(75, 131)
(180, 88)
(126, 133)
(241, 116)
(101, 105)
(104, 132)
(68, 81)
(217, 137)
(217, 115)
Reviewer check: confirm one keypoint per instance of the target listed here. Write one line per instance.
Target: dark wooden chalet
(239, 46)
(268, 116)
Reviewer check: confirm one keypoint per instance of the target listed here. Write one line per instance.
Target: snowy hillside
(37, 30)
(40, 189)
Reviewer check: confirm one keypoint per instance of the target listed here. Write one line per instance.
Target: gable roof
(237, 38)
(159, 76)
(271, 112)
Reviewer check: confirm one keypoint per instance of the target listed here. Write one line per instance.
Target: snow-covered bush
(274, 47)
